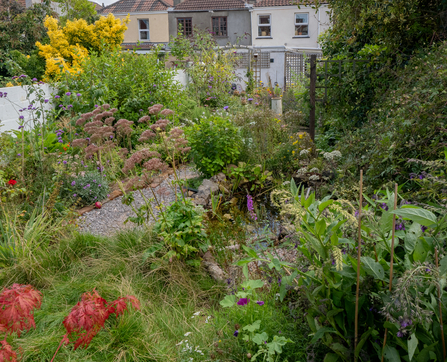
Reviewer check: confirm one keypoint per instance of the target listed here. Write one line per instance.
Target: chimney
(176, 2)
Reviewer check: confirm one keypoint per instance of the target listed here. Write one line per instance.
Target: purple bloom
(60, 141)
(68, 94)
(236, 333)
(46, 100)
(226, 107)
(57, 97)
(61, 105)
(243, 301)
(384, 207)
(423, 228)
(74, 195)
(400, 334)
(65, 162)
(249, 99)
(34, 79)
(96, 106)
(78, 94)
(20, 127)
(21, 117)
(250, 208)
(260, 302)
(88, 185)
(73, 183)
(19, 154)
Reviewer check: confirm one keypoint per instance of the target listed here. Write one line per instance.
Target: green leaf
(331, 357)
(373, 267)
(259, 339)
(253, 327)
(252, 284)
(325, 204)
(320, 333)
(228, 301)
(420, 250)
(443, 266)
(416, 214)
(412, 345)
(250, 252)
(391, 354)
(245, 270)
(386, 222)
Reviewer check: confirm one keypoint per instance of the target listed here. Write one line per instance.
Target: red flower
(12, 182)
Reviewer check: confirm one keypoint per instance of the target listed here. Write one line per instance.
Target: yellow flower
(301, 136)
(9, 84)
(28, 56)
(293, 152)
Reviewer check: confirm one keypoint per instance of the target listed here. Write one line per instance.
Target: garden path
(112, 216)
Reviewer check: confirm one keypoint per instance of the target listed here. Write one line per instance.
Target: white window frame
(265, 25)
(301, 24)
(144, 30)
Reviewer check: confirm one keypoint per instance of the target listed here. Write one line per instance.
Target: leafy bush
(215, 142)
(181, 227)
(89, 188)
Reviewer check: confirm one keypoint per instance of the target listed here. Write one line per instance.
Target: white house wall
(282, 20)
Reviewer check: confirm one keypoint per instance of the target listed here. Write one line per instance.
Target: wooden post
(313, 81)
(359, 254)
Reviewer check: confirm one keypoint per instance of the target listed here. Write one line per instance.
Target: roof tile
(268, 3)
(190, 5)
(137, 6)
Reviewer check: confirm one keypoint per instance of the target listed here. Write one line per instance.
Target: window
(184, 26)
(143, 25)
(264, 27)
(220, 26)
(301, 24)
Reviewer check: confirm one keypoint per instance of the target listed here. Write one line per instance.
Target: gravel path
(111, 217)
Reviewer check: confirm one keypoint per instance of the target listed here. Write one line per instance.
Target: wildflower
(260, 302)
(73, 183)
(226, 107)
(400, 334)
(74, 195)
(187, 334)
(65, 162)
(243, 301)
(21, 117)
(68, 94)
(20, 127)
(236, 333)
(34, 79)
(423, 228)
(78, 94)
(12, 182)
(57, 97)
(384, 206)
(19, 154)
(249, 99)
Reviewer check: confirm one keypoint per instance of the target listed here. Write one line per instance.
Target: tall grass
(169, 295)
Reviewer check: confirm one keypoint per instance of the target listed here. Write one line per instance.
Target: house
(148, 24)
(283, 33)
(284, 23)
(228, 20)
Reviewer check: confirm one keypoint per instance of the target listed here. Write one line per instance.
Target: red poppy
(12, 182)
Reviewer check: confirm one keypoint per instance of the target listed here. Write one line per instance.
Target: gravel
(111, 217)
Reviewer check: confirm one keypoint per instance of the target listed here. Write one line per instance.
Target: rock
(200, 201)
(218, 178)
(205, 189)
(190, 193)
(213, 268)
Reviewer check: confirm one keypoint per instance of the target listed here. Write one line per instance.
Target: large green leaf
(443, 266)
(411, 237)
(331, 357)
(412, 345)
(373, 267)
(416, 214)
(386, 222)
(260, 338)
(228, 301)
(253, 327)
(320, 333)
(420, 250)
(391, 354)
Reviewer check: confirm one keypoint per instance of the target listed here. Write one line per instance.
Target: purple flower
(250, 208)
(226, 107)
(400, 334)
(74, 195)
(78, 94)
(68, 94)
(46, 100)
(423, 228)
(61, 105)
(57, 97)
(21, 117)
(384, 206)
(20, 127)
(19, 154)
(88, 185)
(99, 185)
(73, 183)
(96, 106)
(249, 99)
(260, 302)
(65, 162)
(60, 141)
(243, 301)
(236, 333)
(34, 79)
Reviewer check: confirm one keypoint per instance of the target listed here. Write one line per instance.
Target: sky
(106, 2)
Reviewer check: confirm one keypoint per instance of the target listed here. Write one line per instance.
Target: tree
(77, 9)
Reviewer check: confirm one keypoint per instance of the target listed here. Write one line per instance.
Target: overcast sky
(106, 2)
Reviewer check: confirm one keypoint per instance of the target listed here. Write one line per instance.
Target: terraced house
(228, 20)
(148, 24)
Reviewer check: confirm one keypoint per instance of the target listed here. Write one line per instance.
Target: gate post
(313, 81)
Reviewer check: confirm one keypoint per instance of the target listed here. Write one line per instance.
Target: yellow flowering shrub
(70, 45)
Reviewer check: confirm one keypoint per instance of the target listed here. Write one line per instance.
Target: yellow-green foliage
(70, 45)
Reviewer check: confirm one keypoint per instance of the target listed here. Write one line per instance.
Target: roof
(97, 6)
(137, 6)
(191, 5)
(269, 3)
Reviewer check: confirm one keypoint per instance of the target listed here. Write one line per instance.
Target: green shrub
(215, 142)
(91, 187)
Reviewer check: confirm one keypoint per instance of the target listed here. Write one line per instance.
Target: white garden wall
(15, 100)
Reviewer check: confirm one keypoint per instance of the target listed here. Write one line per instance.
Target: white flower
(195, 314)
(285, 183)
(304, 152)
(314, 178)
(207, 319)
(187, 334)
